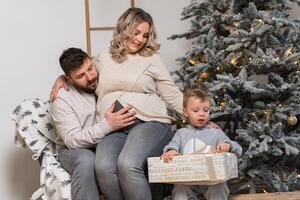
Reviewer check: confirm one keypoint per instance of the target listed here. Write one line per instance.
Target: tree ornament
(292, 120)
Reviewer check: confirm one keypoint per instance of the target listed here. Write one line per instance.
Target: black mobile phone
(118, 106)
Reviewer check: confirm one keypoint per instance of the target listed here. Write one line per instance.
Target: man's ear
(68, 79)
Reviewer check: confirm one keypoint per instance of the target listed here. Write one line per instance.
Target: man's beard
(88, 88)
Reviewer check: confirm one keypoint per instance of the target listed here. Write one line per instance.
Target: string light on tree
(220, 68)
(259, 21)
(236, 24)
(277, 59)
(288, 51)
(222, 105)
(233, 60)
(203, 76)
(192, 61)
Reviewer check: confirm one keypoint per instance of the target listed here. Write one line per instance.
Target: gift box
(200, 169)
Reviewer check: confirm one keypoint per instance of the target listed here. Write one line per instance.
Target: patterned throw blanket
(35, 130)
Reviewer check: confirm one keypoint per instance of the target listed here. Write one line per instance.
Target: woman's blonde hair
(124, 30)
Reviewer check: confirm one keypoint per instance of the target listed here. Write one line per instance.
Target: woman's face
(139, 38)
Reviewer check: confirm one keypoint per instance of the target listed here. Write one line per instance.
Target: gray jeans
(80, 164)
(122, 158)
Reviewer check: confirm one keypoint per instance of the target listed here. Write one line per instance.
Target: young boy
(199, 137)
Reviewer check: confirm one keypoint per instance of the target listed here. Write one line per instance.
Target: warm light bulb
(192, 61)
(288, 52)
(233, 60)
(236, 24)
(277, 59)
(266, 114)
(203, 76)
(259, 21)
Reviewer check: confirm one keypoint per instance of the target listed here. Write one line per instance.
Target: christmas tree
(246, 53)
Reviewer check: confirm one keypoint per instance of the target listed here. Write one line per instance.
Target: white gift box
(200, 169)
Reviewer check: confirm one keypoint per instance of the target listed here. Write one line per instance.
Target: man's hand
(121, 118)
(167, 156)
(60, 82)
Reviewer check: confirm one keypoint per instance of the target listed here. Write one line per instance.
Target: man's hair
(71, 59)
(200, 93)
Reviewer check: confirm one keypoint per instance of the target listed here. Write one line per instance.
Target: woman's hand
(167, 156)
(60, 82)
(214, 125)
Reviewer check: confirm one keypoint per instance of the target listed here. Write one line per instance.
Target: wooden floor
(267, 196)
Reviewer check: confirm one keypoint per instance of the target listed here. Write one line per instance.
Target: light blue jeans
(80, 163)
(122, 158)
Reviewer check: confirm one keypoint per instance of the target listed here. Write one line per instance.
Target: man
(74, 116)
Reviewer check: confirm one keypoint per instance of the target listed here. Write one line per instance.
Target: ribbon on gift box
(208, 149)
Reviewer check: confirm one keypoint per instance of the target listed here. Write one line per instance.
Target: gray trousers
(192, 192)
(122, 159)
(80, 163)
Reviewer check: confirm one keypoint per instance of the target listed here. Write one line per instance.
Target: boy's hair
(71, 59)
(197, 92)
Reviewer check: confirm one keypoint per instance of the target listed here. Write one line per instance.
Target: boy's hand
(223, 147)
(167, 157)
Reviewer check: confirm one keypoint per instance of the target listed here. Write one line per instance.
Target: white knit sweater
(143, 82)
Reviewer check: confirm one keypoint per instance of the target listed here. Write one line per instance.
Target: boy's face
(197, 111)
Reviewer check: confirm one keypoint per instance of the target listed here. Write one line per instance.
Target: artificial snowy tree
(247, 54)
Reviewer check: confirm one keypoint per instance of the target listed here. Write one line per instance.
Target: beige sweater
(74, 117)
(143, 82)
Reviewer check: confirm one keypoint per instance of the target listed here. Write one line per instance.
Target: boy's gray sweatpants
(192, 192)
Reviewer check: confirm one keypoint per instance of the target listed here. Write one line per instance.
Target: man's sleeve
(70, 130)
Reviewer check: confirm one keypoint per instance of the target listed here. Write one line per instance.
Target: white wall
(33, 35)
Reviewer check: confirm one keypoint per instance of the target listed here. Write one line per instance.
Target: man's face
(85, 77)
